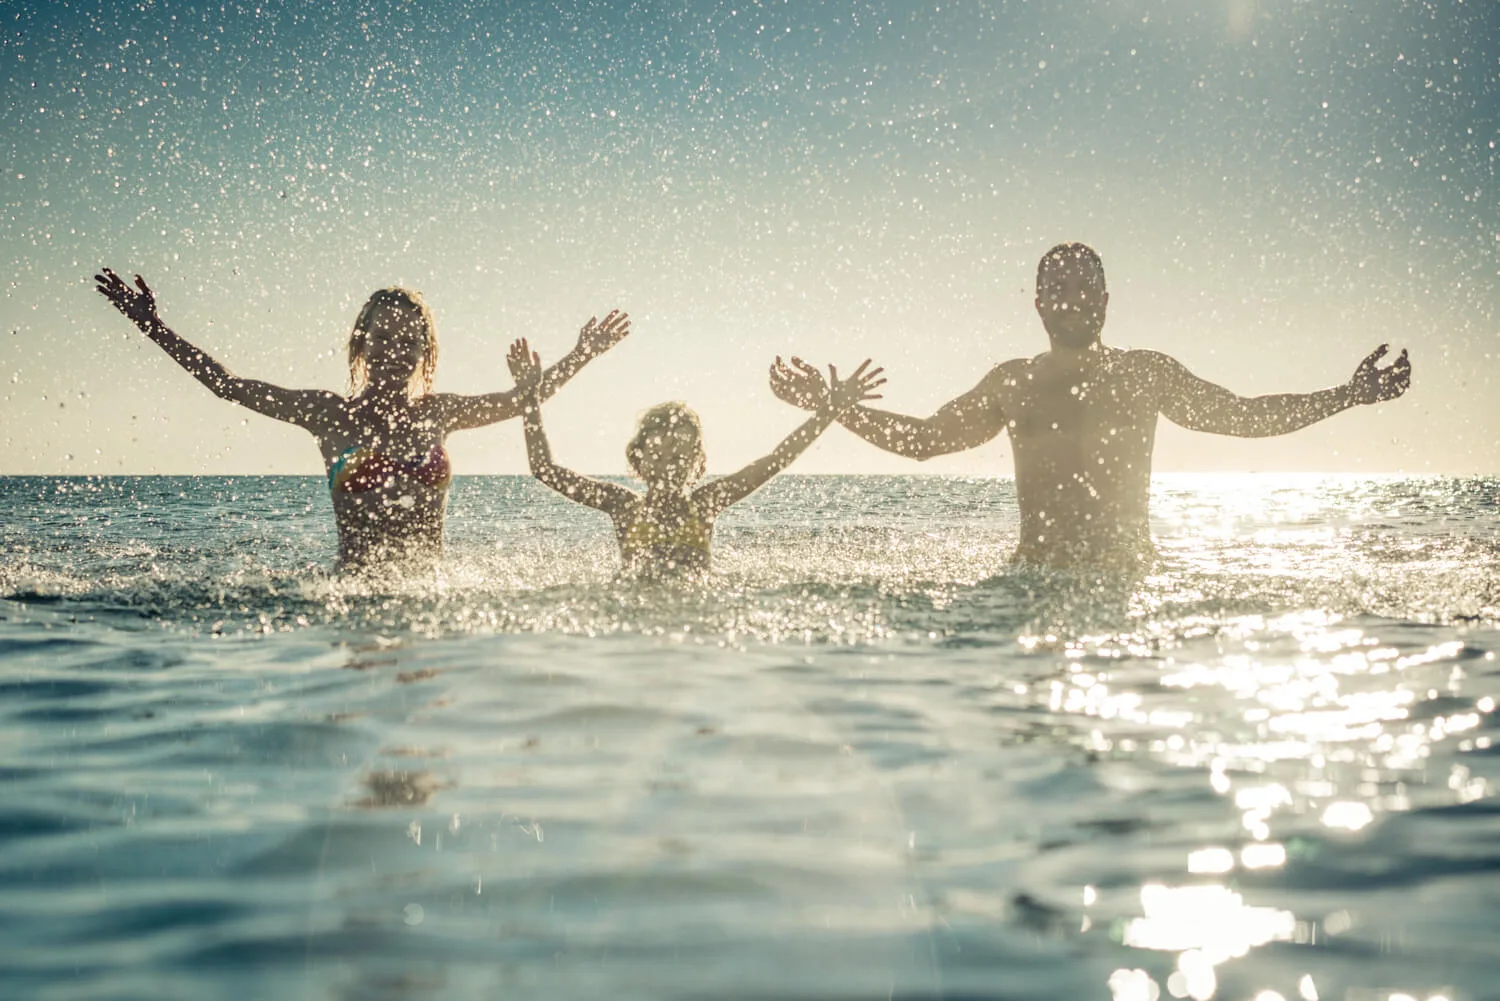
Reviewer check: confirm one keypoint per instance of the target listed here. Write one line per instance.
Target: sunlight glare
(1133, 985)
(1349, 816)
(1209, 918)
(1263, 856)
(1210, 861)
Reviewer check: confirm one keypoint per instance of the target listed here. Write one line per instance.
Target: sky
(1275, 187)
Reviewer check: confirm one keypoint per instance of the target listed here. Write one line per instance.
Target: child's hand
(525, 366)
(799, 384)
(596, 338)
(138, 304)
(854, 390)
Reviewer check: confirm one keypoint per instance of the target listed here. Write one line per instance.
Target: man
(1082, 419)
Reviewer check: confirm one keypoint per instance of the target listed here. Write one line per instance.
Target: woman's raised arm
(460, 412)
(304, 407)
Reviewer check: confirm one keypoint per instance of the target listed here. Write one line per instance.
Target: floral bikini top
(647, 546)
(360, 468)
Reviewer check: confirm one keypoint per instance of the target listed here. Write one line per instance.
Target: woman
(382, 445)
(667, 531)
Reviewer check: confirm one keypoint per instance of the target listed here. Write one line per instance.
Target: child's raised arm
(526, 368)
(833, 398)
(307, 408)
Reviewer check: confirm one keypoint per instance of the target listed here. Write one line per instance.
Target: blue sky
(1275, 187)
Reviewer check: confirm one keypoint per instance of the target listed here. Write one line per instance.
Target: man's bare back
(1082, 430)
(1082, 420)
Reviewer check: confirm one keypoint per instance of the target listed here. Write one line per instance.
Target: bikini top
(684, 545)
(360, 468)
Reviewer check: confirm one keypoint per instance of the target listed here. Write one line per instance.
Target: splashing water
(864, 758)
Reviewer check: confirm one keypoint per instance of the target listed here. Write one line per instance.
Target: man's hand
(1371, 384)
(138, 304)
(854, 390)
(799, 384)
(525, 366)
(596, 338)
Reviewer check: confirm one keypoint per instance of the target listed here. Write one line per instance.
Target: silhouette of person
(1082, 419)
(667, 532)
(383, 444)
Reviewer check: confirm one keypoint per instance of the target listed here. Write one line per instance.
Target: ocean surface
(866, 760)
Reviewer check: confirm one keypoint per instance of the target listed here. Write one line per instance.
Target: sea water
(865, 760)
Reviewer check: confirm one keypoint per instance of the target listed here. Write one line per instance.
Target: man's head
(1070, 295)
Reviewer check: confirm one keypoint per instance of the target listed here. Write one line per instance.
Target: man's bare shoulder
(1104, 355)
(997, 385)
(1008, 373)
(1142, 364)
(1129, 363)
(1142, 357)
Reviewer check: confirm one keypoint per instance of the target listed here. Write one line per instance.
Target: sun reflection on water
(1211, 919)
(1327, 728)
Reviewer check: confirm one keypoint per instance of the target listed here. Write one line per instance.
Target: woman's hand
(1372, 384)
(525, 366)
(598, 337)
(138, 304)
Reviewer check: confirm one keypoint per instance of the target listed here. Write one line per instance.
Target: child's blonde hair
(657, 421)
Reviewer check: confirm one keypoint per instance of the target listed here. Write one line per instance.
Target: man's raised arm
(967, 422)
(1200, 405)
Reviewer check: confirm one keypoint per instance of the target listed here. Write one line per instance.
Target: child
(668, 530)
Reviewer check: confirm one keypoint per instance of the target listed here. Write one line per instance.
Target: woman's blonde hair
(657, 421)
(359, 340)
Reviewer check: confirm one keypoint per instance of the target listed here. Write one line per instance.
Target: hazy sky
(1275, 187)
